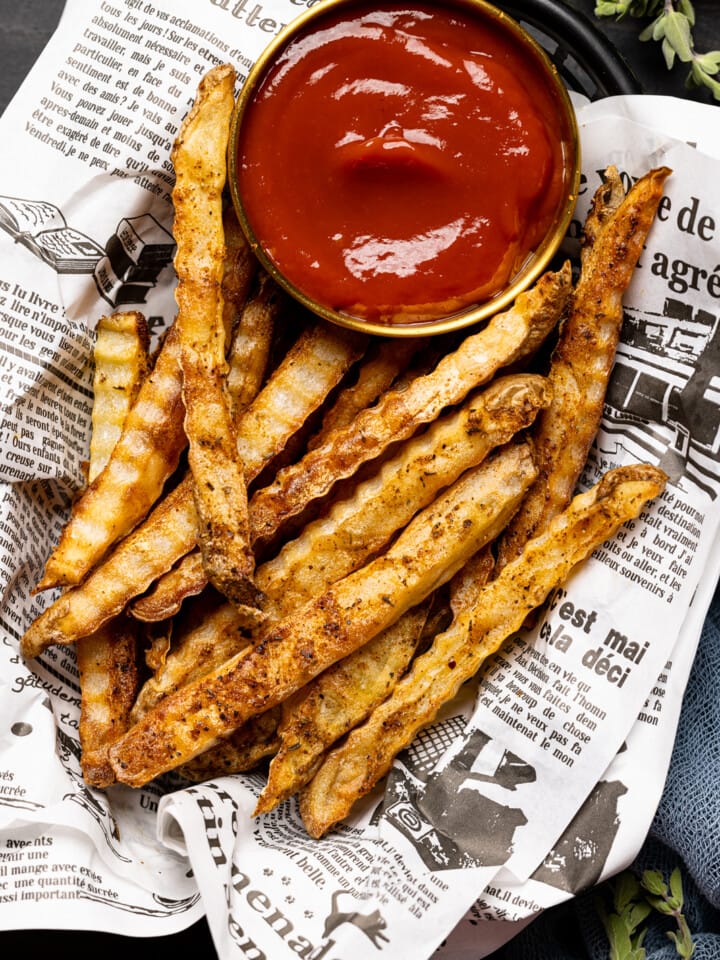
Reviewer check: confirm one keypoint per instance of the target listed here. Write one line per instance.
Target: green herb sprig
(632, 900)
(672, 26)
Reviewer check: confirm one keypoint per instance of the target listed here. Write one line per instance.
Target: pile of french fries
(296, 541)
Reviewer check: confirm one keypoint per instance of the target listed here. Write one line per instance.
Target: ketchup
(399, 162)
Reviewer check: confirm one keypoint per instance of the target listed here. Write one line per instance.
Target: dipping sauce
(399, 162)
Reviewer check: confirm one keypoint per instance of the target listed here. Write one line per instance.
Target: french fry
(145, 455)
(129, 570)
(507, 338)
(353, 529)
(238, 273)
(314, 364)
(241, 751)
(346, 693)
(604, 204)
(108, 668)
(336, 701)
(121, 364)
(377, 374)
(186, 579)
(309, 371)
(250, 345)
(107, 660)
(352, 769)
(432, 547)
(218, 477)
(584, 355)
(200, 644)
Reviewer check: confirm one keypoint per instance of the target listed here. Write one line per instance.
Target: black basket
(586, 60)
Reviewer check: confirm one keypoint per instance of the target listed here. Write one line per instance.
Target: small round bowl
(534, 262)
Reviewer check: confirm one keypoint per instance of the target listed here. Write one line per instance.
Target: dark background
(25, 27)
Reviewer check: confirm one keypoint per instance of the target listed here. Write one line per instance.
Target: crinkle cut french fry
(186, 579)
(507, 338)
(352, 769)
(605, 202)
(312, 367)
(434, 545)
(354, 529)
(240, 752)
(146, 454)
(584, 355)
(251, 344)
(108, 659)
(129, 570)
(108, 667)
(376, 374)
(239, 271)
(218, 477)
(335, 702)
(200, 644)
(121, 364)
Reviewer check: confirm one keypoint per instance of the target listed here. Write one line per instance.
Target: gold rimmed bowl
(404, 169)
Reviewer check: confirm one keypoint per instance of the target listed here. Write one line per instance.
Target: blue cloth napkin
(685, 832)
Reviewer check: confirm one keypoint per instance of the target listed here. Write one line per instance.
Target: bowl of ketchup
(404, 168)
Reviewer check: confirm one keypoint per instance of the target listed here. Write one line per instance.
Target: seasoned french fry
(239, 271)
(134, 564)
(241, 751)
(376, 375)
(146, 454)
(506, 339)
(309, 371)
(107, 660)
(583, 358)
(433, 546)
(164, 600)
(121, 364)
(251, 343)
(202, 644)
(218, 477)
(353, 768)
(336, 701)
(605, 202)
(108, 667)
(354, 529)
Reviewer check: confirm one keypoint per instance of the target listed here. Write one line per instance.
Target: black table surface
(25, 27)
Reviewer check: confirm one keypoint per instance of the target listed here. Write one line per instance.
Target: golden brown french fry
(353, 529)
(122, 342)
(108, 668)
(240, 752)
(353, 768)
(430, 550)
(200, 644)
(585, 353)
(146, 454)
(310, 370)
(129, 570)
(605, 202)
(239, 271)
(336, 701)
(218, 477)
(376, 374)
(186, 579)
(507, 338)
(107, 660)
(251, 343)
